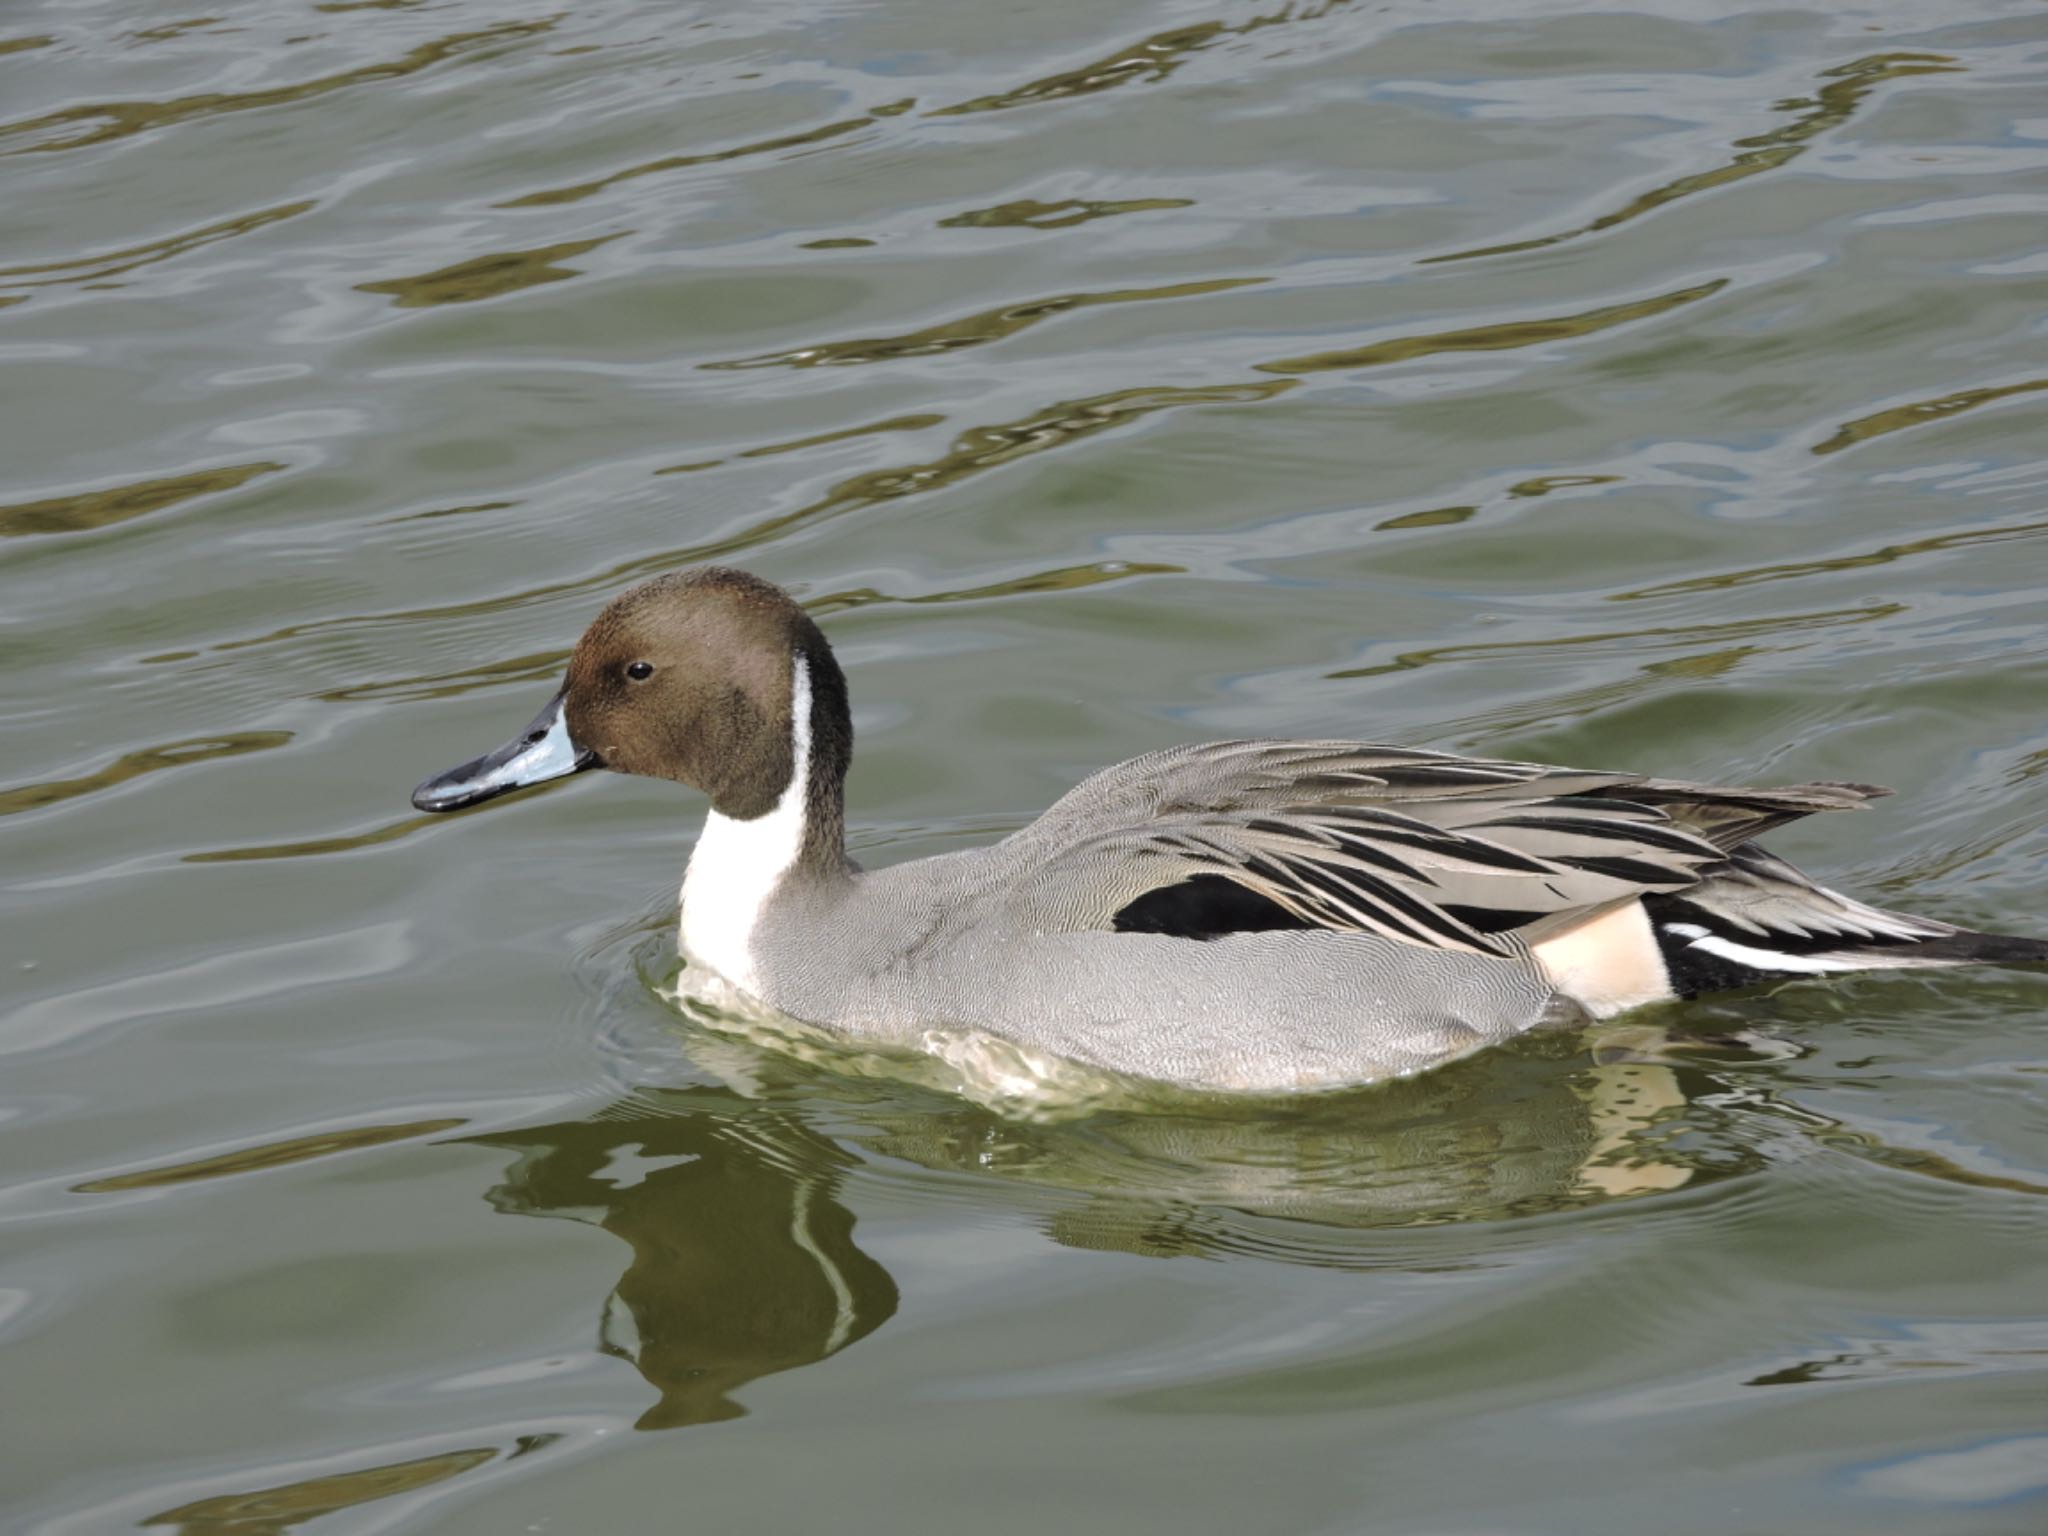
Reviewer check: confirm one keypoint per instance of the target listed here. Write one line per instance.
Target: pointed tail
(1756, 918)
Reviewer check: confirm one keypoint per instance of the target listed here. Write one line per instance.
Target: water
(1660, 388)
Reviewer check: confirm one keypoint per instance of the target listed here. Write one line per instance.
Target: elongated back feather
(1474, 855)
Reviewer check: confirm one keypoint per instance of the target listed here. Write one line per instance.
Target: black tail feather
(1966, 946)
(1708, 948)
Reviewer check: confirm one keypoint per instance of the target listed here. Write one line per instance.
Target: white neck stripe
(737, 865)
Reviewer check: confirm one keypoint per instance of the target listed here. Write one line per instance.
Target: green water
(1661, 388)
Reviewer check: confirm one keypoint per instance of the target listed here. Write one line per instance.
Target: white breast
(737, 864)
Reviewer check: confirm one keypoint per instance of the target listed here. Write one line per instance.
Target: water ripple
(85, 511)
(1844, 89)
(1899, 418)
(1147, 61)
(98, 266)
(88, 124)
(1905, 549)
(974, 330)
(1502, 336)
(1631, 641)
(486, 277)
(1030, 213)
(555, 196)
(131, 765)
(267, 1155)
(977, 450)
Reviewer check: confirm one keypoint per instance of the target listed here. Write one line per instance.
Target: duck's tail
(1756, 918)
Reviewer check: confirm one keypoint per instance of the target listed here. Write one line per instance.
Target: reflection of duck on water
(744, 1254)
(1302, 1187)
(1536, 1128)
(743, 1263)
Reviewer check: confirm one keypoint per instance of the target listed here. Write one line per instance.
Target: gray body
(978, 939)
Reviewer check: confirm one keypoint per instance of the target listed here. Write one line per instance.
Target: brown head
(686, 677)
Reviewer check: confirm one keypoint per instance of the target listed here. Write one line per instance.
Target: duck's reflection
(744, 1262)
(1323, 1183)
(1551, 1124)
(744, 1259)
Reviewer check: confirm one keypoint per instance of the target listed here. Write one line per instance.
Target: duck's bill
(543, 751)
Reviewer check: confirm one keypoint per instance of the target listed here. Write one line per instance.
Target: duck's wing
(1440, 851)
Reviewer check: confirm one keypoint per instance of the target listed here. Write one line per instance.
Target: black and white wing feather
(1478, 855)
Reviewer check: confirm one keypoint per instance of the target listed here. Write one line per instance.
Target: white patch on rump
(1609, 964)
(736, 865)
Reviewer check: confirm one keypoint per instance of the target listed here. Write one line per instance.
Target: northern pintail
(1240, 915)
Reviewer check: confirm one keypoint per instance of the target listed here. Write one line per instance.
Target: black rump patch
(1694, 971)
(1205, 907)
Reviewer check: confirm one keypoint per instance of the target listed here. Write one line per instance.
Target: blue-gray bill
(543, 751)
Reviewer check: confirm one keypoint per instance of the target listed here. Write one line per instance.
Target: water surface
(1660, 388)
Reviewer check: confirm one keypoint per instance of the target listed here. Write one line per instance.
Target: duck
(1245, 916)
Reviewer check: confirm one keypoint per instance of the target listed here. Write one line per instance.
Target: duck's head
(692, 677)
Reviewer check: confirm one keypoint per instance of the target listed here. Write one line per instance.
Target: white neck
(736, 865)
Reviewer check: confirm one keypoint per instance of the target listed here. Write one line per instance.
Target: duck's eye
(640, 671)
